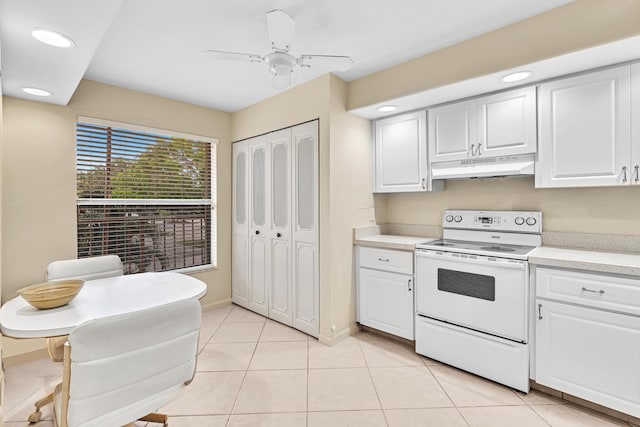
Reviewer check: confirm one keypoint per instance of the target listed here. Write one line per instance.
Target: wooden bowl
(51, 294)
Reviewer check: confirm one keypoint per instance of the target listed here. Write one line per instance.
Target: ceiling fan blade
(337, 62)
(232, 56)
(280, 27)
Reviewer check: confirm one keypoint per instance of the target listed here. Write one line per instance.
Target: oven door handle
(476, 260)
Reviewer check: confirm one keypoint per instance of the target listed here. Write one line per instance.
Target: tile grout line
(447, 394)
(306, 419)
(366, 364)
(235, 402)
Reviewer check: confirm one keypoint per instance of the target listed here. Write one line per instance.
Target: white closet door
(240, 225)
(305, 228)
(259, 256)
(281, 296)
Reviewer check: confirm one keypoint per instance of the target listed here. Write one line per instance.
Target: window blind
(146, 195)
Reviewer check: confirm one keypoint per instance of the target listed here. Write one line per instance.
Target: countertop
(604, 262)
(588, 259)
(387, 241)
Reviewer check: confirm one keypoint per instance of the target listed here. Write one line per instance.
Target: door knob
(257, 231)
(278, 235)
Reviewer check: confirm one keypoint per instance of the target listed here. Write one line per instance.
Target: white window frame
(214, 185)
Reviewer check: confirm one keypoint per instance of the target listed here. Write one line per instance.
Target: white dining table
(98, 298)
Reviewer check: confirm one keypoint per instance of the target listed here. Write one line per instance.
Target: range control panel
(517, 221)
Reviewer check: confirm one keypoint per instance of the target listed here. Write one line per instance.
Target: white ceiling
(155, 46)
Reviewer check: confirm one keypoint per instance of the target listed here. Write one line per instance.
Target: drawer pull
(591, 290)
(383, 259)
(409, 285)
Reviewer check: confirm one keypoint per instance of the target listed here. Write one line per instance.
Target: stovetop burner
(498, 248)
(478, 248)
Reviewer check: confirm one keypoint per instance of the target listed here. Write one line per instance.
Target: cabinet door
(589, 353)
(635, 124)
(280, 297)
(507, 123)
(306, 276)
(259, 255)
(401, 154)
(585, 130)
(452, 131)
(386, 301)
(240, 225)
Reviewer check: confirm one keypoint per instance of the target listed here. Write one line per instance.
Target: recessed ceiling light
(52, 38)
(387, 108)
(35, 91)
(516, 77)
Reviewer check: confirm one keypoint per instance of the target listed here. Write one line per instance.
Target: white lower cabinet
(586, 351)
(385, 296)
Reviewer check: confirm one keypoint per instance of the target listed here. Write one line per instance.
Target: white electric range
(473, 293)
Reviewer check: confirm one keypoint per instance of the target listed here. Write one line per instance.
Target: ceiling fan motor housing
(280, 63)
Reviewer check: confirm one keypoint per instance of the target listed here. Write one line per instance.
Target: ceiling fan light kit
(280, 62)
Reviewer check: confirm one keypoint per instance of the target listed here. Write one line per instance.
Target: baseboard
(22, 358)
(585, 403)
(217, 304)
(338, 336)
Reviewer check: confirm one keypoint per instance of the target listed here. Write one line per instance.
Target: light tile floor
(256, 372)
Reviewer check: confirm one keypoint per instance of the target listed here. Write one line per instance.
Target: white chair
(121, 368)
(85, 269)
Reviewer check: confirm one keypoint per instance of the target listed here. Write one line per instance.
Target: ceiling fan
(280, 62)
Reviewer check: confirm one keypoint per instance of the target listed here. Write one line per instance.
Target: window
(147, 195)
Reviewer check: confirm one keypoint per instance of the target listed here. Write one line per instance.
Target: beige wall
(38, 172)
(351, 189)
(345, 182)
(575, 26)
(603, 210)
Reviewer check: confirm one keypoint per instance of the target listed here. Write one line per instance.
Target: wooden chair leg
(37, 414)
(156, 418)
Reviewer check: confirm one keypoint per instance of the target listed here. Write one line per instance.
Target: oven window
(469, 284)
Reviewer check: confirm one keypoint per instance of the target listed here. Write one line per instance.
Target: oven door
(483, 293)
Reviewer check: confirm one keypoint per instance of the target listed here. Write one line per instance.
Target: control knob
(519, 220)
(531, 221)
(457, 218)
(449, 218)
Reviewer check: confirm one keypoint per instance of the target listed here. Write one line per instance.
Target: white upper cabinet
(585, 130)
(401, 154)
(507, 123)
(635, 124)
(496, 125)
(452, 131)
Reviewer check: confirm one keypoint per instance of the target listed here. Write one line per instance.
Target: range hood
(487, 167)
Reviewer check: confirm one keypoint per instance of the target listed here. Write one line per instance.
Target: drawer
(386, 259)
(594, 290)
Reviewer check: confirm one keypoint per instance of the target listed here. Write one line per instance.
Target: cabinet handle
(478, 149)
(383, 259)
(624, 174)
(637, 173)
(601, 291)
(424, 181)
(409, 285)
(472, 149)
(539, 311)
